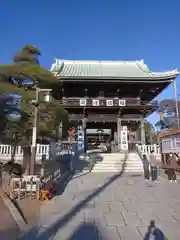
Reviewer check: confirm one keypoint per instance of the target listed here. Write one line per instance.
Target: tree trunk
(26, 159)
(13, 152)
(58, 133)
(60, 128)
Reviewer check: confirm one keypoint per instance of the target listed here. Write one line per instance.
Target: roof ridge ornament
(57, 66)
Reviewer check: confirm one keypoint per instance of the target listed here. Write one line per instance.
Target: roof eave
(169, 132)
(124, 79)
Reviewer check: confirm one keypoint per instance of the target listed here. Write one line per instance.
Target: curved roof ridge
(103, 62)
(109, 69)
(170, 72)
(144, 68)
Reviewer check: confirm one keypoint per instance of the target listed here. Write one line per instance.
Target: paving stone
(147, 216)
(164, 216)
(101, 222)
(118, 196)
(48, 220)
(88, 205)
(176, 215)
(125, 205)
(132, 207)
(92, 214)
(114, 219)
(65, 233)
(86, 231)
(131, 219)
(117, 206)
(161, 206)
(142, 230)
(79, 218)
(102, 206)
(128, 232)
(82, 196)
(174, 205)
(40, 233)
(106, 197)
(108, 233)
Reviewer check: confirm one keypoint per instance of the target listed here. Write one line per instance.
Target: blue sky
(96, 29)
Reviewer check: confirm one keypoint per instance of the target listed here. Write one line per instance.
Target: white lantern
(47, 97)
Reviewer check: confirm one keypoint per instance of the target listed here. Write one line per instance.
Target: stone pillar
(143, 139)
(119, 132)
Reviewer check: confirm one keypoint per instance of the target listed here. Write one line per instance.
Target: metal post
(34, 135)
(176, 101)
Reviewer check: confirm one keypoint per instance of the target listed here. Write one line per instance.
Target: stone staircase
(113, 162)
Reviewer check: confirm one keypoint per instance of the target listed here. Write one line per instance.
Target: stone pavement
(9, 230)
(110, 207)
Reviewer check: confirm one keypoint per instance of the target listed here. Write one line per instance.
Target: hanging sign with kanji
(109, 103)
(95, 102)
(82, 102)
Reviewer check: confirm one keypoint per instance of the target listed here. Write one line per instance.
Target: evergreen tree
(25, 68)
(21, 78)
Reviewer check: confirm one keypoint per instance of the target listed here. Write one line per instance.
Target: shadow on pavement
(88, 161)
(16, 204)
(9, 229)
(62, 183)
(52, 230)
(9, 233)
(154, 232)
(80, 175)
(87, 231)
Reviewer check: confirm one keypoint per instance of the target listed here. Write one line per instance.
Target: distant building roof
(169, 132)
(108, 69)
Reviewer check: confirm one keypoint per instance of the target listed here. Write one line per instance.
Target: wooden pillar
(143, 140)
(119, 132)
(85, 134)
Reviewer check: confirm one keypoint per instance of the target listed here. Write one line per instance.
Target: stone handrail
(146, 149)
(6, 151)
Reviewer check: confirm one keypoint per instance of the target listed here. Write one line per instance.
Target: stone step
(113, 159)
(117, 170)
(114, 163)
(118, 161)
(118, 165)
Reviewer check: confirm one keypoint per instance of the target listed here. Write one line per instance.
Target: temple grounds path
(9, 229)
(111, 207)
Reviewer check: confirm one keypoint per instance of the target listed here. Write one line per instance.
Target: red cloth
(50, 187)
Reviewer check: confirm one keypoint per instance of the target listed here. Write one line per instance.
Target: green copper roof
(108, 69)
